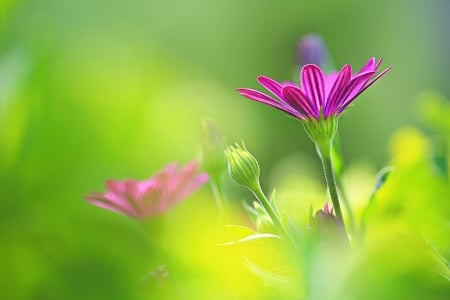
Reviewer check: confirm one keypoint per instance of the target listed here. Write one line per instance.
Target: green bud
(242, 166)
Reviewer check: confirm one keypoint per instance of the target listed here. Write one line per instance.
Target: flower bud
(242, 166)
(311, 49)
(327, 225)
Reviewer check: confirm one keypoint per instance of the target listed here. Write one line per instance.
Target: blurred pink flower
(154, 196)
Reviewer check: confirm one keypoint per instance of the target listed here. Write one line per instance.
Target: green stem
(259, 194)
(324, 151)
(332, 186)
(340, 186)
(273, 214)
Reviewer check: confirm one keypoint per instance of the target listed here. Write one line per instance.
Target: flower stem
(338, 175)
(324, 151)
(273, 214)
(332, 186)
(259, 194)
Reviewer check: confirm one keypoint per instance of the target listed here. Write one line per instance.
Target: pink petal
(300, 101)
(373, 81)
(271, 85)
(352, 90)
(330, 78)
(312, 80)
(117, 192)
(106, 203)
(140, 199)
(368, 66)
(263, 98)
(187, 181)
(341, 82)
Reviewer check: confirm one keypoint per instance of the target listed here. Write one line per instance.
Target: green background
(92, 90)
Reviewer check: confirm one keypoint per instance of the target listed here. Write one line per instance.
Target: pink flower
(318, 94)
(154, 196)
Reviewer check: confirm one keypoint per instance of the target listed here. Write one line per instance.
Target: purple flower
(143, 199)
(311, 50)
(319, 94)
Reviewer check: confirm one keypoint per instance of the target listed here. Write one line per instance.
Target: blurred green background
(92, 90)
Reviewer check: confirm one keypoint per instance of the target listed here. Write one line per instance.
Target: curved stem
(259, 194)
(273, 214)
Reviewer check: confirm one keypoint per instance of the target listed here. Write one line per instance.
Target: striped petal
(373, 81)
(263, 98)
(370, 65)
(143, 199)
(330, 78)
(106, 203)
(312, 80)
(297, 99)
(118, 192)
(271, 85)
(341, 82)
(351, 91)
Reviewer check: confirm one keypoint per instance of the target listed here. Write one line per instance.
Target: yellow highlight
(408, 146)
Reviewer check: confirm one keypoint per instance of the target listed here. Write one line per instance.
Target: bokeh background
(92, 90)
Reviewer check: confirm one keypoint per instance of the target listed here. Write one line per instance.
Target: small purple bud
(327, 225)
(311, 49)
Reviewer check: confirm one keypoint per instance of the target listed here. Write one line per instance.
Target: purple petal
(341, 82)
(257, 96)
(378, 63)
(369, 66)
(312, 80)
(271, 85)
(297, 99)
(373, 80)
(263, 98)
(330, 78)
(352, 90)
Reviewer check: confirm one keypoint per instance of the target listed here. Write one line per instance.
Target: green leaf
(445, 263)
(381, 178)
(270, 278)
(253, 237)
(238, 232)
